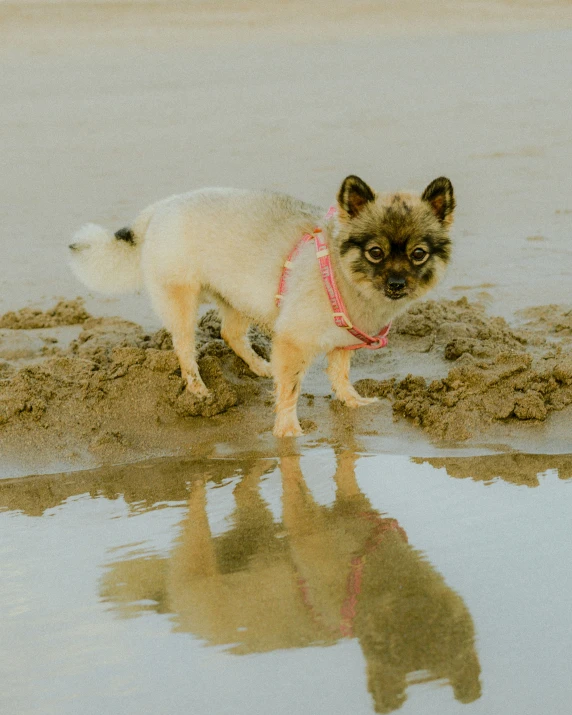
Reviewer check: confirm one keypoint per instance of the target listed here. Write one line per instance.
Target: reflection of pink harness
(340, 316)
(349, 606)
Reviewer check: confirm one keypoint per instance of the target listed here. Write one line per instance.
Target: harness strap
(336, 301)
(348, 608)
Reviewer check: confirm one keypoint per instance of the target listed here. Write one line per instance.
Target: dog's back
(230, 241)
(226, 240)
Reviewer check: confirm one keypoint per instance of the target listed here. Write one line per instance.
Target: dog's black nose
(396, 284)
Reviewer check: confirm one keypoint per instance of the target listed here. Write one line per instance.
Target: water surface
(327, 582)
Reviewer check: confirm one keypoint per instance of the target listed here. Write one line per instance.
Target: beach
(457, 472)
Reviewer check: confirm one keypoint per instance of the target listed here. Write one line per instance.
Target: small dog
(229, 246)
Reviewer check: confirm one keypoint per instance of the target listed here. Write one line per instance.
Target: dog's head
(394, 247)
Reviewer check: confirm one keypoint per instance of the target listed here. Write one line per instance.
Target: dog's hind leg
(234, 330)
(177, 305)
(339, 373)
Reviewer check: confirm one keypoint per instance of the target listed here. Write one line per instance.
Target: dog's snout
(396, 283)
(395, 287)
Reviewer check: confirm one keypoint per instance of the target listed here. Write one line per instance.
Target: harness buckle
(344, 317)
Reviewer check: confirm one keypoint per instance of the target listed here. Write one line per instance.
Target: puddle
(331, 582)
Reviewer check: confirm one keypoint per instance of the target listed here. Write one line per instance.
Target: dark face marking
(397, 248)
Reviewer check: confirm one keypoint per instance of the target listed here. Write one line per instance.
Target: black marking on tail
(125, 234)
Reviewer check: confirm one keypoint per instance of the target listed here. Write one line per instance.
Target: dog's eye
(374, 254)
(419, 255)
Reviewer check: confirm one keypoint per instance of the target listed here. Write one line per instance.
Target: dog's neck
(366, 313)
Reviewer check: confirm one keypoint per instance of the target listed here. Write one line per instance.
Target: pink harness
(336, 301)
(349, 606)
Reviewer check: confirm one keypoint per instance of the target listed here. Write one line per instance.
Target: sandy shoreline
(412, 555)
(108, 106)
(112, 393)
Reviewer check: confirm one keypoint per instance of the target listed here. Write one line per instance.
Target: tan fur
(178, 305)
(234, 330)
(290, 360)
(230, 246)
(339, 373)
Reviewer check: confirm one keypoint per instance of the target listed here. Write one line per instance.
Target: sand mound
(500, 374)
(114, 372)
(459, 327)
(117, 386)
(66, 312)
(476, 393)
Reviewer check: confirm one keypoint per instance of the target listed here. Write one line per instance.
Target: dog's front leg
(289, 363)
(339, 373)
(195, 555)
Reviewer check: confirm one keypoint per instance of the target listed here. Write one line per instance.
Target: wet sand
(167, 555)
(79, 390)
(106, 108)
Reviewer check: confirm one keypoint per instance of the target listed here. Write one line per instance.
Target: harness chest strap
(336, 301)
(348, 608)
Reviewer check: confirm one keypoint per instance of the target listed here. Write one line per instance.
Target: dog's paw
(197, 389)
(288, 432)
(261, 368)
(358, 401)
(287, 427)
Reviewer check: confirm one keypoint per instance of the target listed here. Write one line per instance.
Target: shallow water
(330, 582)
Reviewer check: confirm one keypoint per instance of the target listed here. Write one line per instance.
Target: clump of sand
(117, 386)
(66, 312)
(115, 373)
(500, 374)
(459, 327)
(511, 386)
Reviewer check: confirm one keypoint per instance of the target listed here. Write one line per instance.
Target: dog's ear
(354, 194)
(439, 195)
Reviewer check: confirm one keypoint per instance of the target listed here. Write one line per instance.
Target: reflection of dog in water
(323, 574)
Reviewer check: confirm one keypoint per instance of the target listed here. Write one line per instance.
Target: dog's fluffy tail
(107, 262)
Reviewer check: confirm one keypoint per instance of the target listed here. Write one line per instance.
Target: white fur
(230, 245)
(103, 263)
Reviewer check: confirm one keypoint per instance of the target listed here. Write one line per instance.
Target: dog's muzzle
(396, 288)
